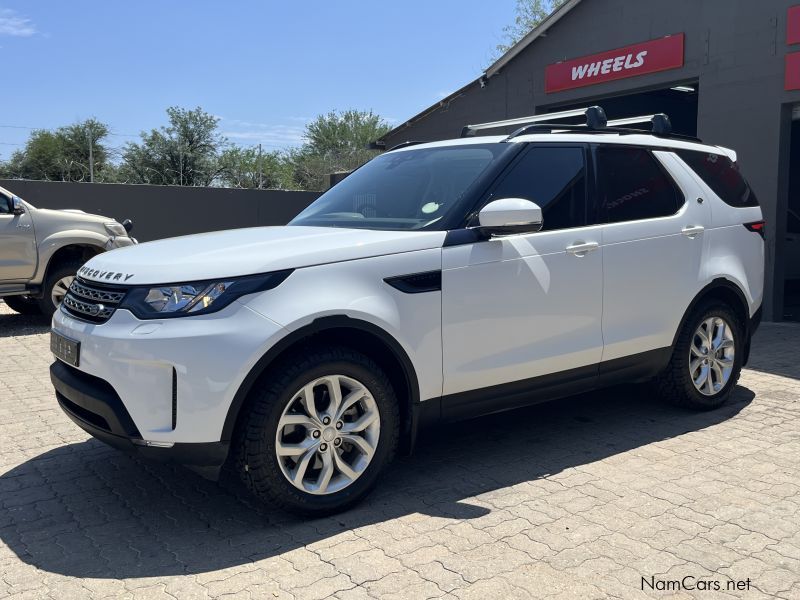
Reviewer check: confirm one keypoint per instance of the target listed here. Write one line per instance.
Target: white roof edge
(729, 152)
(536, 32)
(638, 139)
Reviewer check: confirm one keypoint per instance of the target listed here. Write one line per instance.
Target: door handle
(21, 226)
(692, 231)
(582, 248)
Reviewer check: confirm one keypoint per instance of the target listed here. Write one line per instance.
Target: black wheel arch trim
(318, 326)
(721, 283)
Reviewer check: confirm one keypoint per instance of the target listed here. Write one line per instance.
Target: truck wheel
(57, 282)
(707, 359)
(318, 431)
(24, 305)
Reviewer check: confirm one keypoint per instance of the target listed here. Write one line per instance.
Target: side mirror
(128, 225)
(17, 207)
(509, 215)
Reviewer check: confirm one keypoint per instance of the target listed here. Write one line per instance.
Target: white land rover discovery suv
(439, 281)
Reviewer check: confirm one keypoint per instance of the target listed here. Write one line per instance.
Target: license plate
(65, 348)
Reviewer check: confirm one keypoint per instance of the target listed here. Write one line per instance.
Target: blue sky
(264, 68)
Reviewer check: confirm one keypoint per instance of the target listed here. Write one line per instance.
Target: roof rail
(595, 119)
(406, 144)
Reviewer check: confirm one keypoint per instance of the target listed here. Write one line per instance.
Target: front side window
(5, 204)
(632, 185)
(554, 177)
(722, 175)
(409, 189)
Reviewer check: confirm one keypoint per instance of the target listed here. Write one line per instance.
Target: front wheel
(24, 305)
(58, 280)
(319, 431)
(707, 359)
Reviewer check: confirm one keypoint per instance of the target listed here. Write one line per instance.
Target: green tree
(185, 152)
(248, 168)
(63, 154)
(529, 14)
(334, 142)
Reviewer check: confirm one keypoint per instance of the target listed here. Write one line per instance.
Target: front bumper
(175, 379)
(95, 407)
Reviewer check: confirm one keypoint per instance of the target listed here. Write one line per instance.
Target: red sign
(792, 78)
(793, 25)
(637, 59)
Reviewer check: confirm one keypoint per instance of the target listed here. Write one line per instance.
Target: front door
(17, 243)
(523, 306)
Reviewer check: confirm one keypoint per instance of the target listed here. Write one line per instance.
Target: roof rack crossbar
(659, 125)
(596, 122)
(595, 118)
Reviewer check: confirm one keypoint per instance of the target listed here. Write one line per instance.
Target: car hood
(240, 252)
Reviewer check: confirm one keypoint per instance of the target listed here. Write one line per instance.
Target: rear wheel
(319, 431)
(24, 305)
(707, 359)
(57, 282)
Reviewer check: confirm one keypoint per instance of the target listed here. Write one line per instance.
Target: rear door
(653, 246)
(17, 243)
(529, 305)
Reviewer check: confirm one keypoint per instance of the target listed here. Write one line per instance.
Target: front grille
(98, 295)
(91, 301)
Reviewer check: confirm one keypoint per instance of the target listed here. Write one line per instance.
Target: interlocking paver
(581, 498)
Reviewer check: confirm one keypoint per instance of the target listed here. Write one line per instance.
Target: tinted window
(632, 185)
(405, 189)
(722, 175)
(793, 223)
(555, 179)
(5, 204)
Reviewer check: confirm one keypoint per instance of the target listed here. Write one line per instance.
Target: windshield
(411, 189)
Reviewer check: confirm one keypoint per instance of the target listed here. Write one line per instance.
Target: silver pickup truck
(41, 250)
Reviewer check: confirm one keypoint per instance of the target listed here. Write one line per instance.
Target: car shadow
(15, 325)
(84, 510)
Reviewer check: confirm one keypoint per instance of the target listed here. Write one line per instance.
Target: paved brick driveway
(577, 499)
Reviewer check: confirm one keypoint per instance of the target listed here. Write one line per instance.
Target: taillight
(757, 227)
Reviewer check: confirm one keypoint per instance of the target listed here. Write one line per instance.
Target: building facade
(727, 71)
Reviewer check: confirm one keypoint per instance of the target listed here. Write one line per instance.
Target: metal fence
(166, 211)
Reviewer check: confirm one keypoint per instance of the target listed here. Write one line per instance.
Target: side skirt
(526, 392)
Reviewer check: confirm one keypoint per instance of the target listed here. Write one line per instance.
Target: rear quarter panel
(732, 252)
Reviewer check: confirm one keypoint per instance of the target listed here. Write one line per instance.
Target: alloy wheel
(60, 289)
(327, 434)
(711, 356)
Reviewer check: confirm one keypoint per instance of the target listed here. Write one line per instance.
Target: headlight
(115, 229)
(198, 298)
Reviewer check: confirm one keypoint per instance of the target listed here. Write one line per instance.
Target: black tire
(675, 384)
(54, 274)
(254, 447)
(24, 305)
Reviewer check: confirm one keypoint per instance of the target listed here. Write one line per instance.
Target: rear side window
(722, 175)
(632, 185)
(554, 177)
